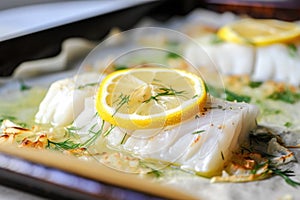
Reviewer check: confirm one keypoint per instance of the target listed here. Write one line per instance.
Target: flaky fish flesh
(64, 100)
(277, 62)
(202, 144)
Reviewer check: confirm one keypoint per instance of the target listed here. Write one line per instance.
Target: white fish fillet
(65, 99)
(229, 58)
(272, 62)
(275, 62)
(220, 131)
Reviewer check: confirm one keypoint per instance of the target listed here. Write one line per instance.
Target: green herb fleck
(95, 134)
(231, 96)
(109, 130)
(292, 49)
(65, 145)
(198, 132)
(255, 84)
(156, 173)
(23, 86)
(122, 99)
(215, 39)
(286, 174)
(173, 55)
(286, 96)
(258, 166)
(120, 67)
(124, 138)
(165, 92)
(288, 124)
(196, 95)
(4, 117)
(216, 92)
(87, 85)
(69, 144)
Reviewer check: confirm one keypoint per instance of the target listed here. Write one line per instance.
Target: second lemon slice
(147, 98)
(260, 31)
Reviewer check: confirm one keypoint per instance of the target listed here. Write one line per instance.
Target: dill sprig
(216, 40)
(124, 138)
(292, 49)
(255, 84)
(69, 144)
(24, 86)
(80, 87)
(286, 96)
(165, 92)
(157, 173)
(122, 100)
(231, 96)
(286, 174)
(109, 130)
(173, 55)
(95, 135)
(198, 132)
(120, 67)
(65, 145)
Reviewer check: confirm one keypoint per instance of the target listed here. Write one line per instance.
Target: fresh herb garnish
(156, 173)
(122, 99)
(164, 92)
(255, 84)
(124, 138)
(69, 144)
(109, 130)
(286, 174)
(120, 67)
(4, 117)
(23, 86)
(292, 49)
(286, 96)
(173, 55)
(95, 134)
(216, 92)
(231, 96)
(288, 124)
(87, 85)
(258, 166)
(66, 145)
(215, 39)
(198, 132)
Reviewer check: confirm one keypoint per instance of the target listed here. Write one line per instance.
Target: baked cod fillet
(203, 144)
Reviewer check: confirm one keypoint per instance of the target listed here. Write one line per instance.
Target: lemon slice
(146, 98)
(260, 31)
